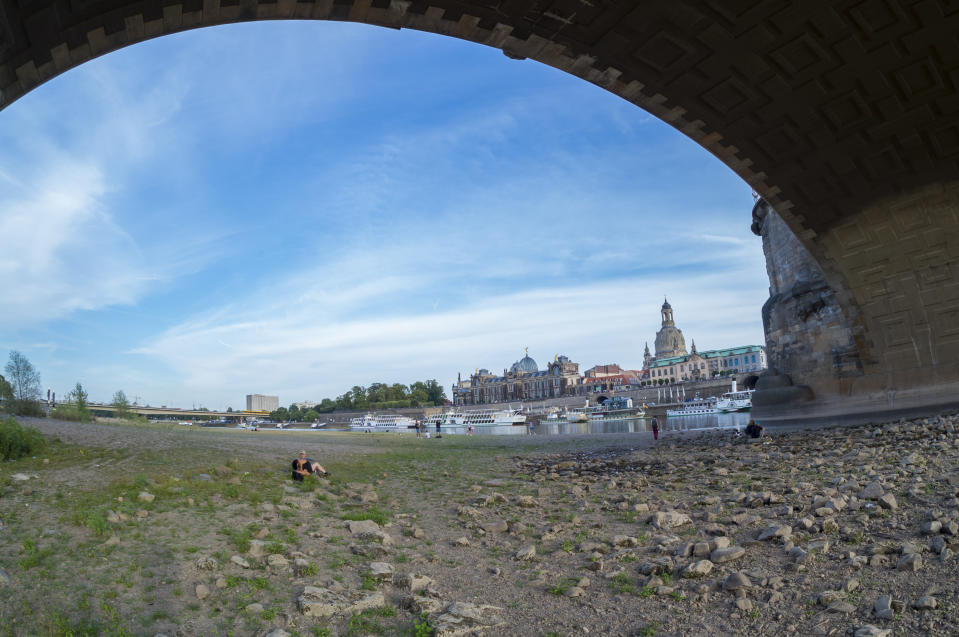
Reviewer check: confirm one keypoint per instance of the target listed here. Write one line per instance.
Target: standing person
(655, 429)
(418, 425)
(529, 426)
(438, 429)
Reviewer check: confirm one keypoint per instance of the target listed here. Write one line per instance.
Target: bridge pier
(870, 329)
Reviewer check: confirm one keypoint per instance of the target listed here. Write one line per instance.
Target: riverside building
(673, 363)
(522, 381)
(259, 402)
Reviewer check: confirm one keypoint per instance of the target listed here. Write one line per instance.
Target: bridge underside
(842, 114)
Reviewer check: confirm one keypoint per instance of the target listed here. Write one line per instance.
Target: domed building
(525, 365)
(672, 362)
(669, 339)
(522, 381)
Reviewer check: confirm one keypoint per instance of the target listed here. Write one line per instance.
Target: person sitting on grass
(304, 466)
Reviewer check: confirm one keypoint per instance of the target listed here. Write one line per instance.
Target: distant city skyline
(296, 208)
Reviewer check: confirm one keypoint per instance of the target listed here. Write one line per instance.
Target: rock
(112, 517)
(498, 526)
(926, 602)
(841, 607)
(727, 554)
(414, 583)
(4, 578)
(736, 581)
(276, 632)
(204, 477)
(698, 569)
(930, 527)
(872, 491)
(526, 553)
(277, 561)
(202, 592)
(23, 477)
(205, 563)
(461, 541)
(221, 582)
(257, 548)
(574, 591)
(669, 519)
(526, 501)
(369, 530)
(871, 631)
(774, 531)
(888, 501)
(909, 562)
(321, 602)
(382, 571)
(300, 566)
(462, 618)
(146, 497)
(239, 561)
(621, 541)
(829, 525)
(882, 608)
(113, 540)
(744, 604)
(223, 471)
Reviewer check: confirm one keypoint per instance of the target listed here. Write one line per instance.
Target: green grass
(373, 513)
(622, 583)
(561, 587)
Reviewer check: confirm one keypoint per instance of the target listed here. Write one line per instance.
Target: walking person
(655, 429)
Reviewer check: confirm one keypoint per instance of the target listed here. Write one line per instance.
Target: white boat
(318, 425)
(695, 407)
(382, 422)
(735, 401)
(185, 422)
(488, 417)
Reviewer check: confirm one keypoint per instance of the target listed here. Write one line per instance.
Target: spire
(527, 351)
(694, 346)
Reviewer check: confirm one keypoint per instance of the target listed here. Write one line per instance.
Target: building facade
(259, 402)
(522, 381)
(672, 363)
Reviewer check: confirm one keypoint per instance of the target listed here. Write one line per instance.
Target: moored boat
(382, 422)
(695, 407)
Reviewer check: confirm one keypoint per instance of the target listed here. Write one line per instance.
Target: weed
(322, 631)
(646, 591)
(422, 626)
(567, 546)
(649, 630)
(677, 596)
(374, 513)
(369, 584)
(621, 583)
(561, 587)
(269, 614)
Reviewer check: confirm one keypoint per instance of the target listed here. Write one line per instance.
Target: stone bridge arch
(842, 114)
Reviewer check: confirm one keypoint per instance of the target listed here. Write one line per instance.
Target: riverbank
(185, 531)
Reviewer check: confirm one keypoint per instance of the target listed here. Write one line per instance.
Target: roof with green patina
(713, 353)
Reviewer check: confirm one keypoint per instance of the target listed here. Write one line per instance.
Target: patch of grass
(369, 584)
(276, 547)
(373, 513)
(567, 546)
(622, 583)
(649, 630)
(561, 587)
(32, 556)
(646, 591)
(676, 595)
(401, 558)
(322, 631)
(422, 626)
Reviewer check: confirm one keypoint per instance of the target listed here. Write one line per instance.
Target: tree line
(427, 393)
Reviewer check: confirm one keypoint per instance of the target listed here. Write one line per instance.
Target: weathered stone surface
(321, 602)
(381, 571)
(872, 491)
(669, 519)
(698, 569)
(145, 496)
(239, 561)
(526, 553)
(202, 591)
(727, 554)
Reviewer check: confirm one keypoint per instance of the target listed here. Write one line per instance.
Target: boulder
(669, 519)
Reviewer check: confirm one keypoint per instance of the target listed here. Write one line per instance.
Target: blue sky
(295, 208)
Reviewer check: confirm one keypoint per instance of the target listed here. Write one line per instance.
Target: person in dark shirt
(753, 430)
(304, 466)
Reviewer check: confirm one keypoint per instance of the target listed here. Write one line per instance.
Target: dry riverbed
(143, 530)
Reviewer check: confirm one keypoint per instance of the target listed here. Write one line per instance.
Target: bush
(29, 408)
(17, 441)
(72, 412)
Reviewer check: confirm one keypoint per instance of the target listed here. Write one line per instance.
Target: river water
(643, 425)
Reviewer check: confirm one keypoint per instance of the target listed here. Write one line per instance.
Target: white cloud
(59, 250)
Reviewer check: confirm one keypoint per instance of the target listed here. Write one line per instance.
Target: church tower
(669, 339)
(647, 357)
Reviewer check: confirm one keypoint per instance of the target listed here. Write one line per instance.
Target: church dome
(525, 365)
(666, 305)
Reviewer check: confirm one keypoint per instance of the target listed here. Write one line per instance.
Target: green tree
(229, 410)
(435, 392)
(280, 415)
(24, 384)
(121, 406)
(418, 397)
(6, 392)
(326, 406)
(310, 415)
